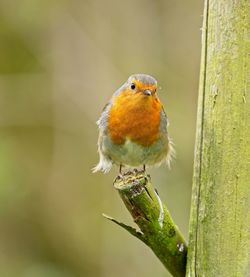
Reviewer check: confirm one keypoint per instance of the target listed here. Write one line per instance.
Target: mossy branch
(157, 229)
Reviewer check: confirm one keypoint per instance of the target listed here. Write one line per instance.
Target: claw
(118, 177)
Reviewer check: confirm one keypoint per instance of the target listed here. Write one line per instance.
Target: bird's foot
(143, 170)
(119, 177)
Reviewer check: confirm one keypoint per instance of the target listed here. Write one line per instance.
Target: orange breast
(134, 116)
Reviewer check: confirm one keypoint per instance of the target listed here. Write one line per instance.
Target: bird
(133, 127)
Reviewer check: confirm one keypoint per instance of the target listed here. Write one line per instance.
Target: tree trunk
(219, 243)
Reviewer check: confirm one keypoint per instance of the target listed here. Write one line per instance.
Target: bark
(157, 229)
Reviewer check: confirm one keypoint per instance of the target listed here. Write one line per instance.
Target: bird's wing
(164, 121)
(103, 120)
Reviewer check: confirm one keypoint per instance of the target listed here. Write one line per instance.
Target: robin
(133, 127)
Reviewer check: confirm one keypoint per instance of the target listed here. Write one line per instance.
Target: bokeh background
(60, 61)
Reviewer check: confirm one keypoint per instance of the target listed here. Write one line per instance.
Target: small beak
(147, 92)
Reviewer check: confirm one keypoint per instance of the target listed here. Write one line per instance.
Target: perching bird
(133, 127)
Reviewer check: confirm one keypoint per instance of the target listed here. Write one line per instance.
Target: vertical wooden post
(219, 243)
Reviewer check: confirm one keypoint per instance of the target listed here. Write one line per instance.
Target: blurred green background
(60, 62)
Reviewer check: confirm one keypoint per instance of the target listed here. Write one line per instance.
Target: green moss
(220, 215)
(157, 228)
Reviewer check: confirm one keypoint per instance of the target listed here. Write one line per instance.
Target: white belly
(133, 154)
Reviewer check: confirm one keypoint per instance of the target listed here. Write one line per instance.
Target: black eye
(132, 86)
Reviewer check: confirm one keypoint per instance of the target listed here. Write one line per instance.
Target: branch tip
(130, 229)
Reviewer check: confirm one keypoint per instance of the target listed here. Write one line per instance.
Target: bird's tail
(171, 153)
(104, 164)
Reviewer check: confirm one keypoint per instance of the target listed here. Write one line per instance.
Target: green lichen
(157, 229)
(220, 218)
